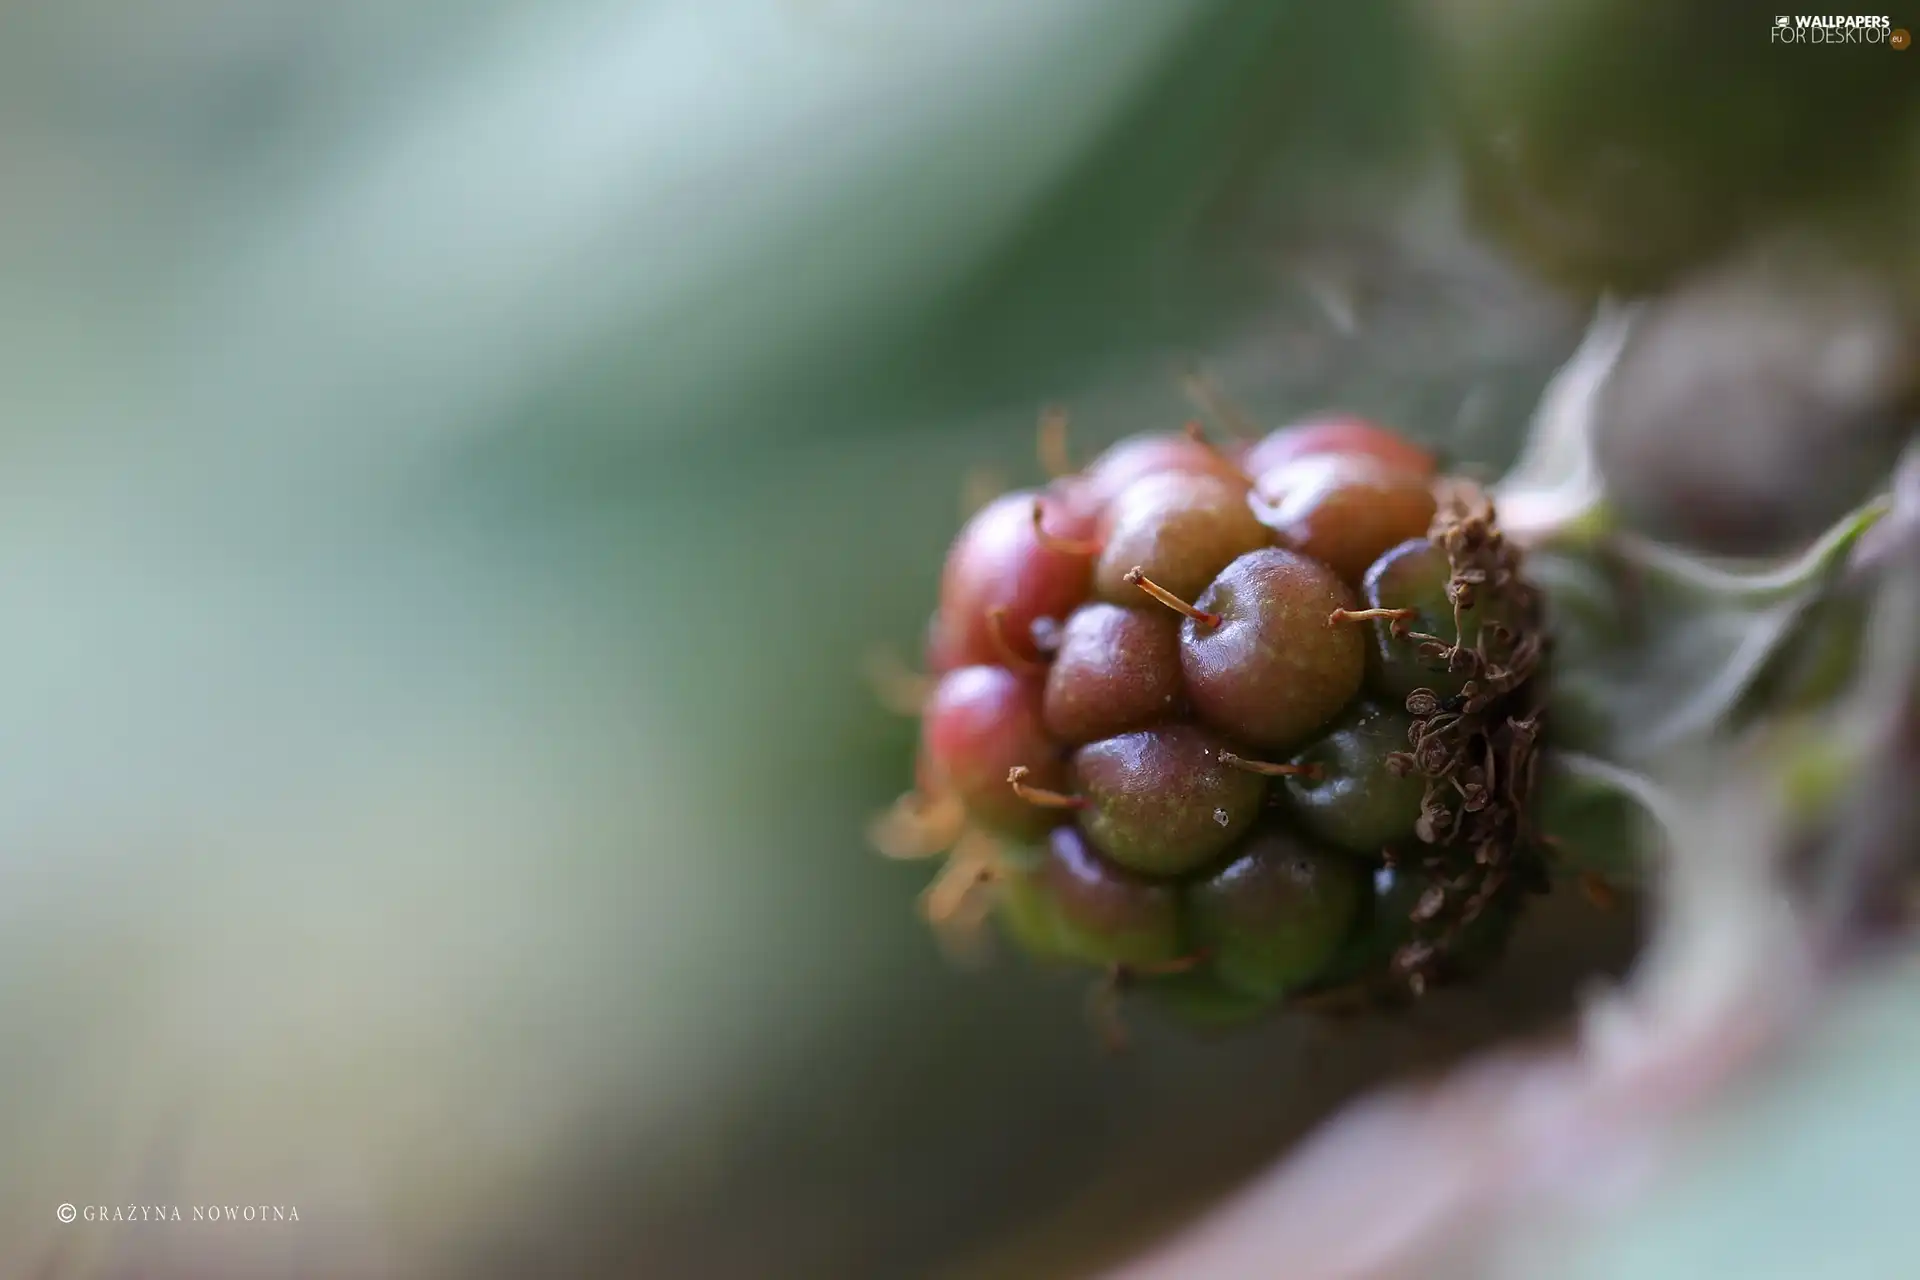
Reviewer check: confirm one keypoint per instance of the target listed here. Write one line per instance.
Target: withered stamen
(1045, 799)
(1136, 578)
(918, 826)
(1368, 615)
(1065, 546)
(1270, 770)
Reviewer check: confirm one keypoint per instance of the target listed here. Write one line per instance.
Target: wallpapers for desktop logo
(1806, 28)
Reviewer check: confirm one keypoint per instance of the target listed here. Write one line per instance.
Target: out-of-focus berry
(999, 565)
(1104, 915)
(1141, 456)
(1754, 405)
(981, 723)
(1341, 436)
(1273, 919)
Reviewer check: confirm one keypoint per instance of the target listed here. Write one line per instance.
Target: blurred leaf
(1683, 640)
(1809, 1172)
(1615, 143)
(1553, 491)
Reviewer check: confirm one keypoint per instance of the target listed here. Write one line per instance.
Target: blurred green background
(458, 458)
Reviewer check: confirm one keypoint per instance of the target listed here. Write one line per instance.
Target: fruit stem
(1051, 442)
(1138, 579)
(1270, 770)
(1065, 546)
(1017, 778)
(1368, 615)
(1009, 656)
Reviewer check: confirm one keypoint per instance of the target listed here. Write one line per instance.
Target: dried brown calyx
(1477, 748)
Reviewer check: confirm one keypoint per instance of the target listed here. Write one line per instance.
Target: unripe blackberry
(1344, 511)
(1409, 586)
(1356, 789)
(1150, 744)
(1264, 664)
(1115, 670)
(1102, 914)
(1342, 436)
(1273, 919)
(1141, 456)
(1180, 530)
(1003, 574)
(981, 723)
(1164, 801)
(1402, 924)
